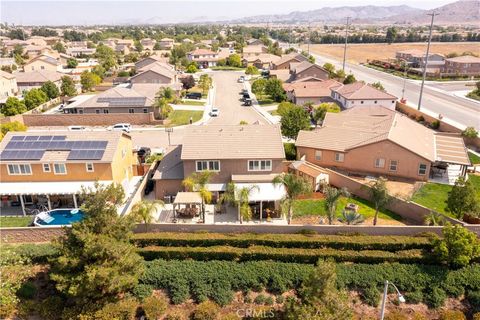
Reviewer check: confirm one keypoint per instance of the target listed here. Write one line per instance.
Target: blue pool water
(62, 217)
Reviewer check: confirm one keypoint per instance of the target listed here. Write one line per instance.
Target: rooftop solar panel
(17, 138)
(45, 138)
(85, 154)
(57, 138)
(31, 138)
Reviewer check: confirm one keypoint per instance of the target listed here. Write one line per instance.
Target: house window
(145, 110)
(46, 167)
(89, 167)
(339, 157)
(105, 110)
(259, 165)
(19, 169)
(375, 101)
(422, 169)
(210, 165)
(361, 102)
(318, 155)
(131, 110)
(80, 111)
(42, 67)
(97, 111)
(59, 168)
(393, 165)
(379, 163)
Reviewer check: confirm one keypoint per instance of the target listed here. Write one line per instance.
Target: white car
(126, 127)
(76, 128)
(214, 112)
(241, 79)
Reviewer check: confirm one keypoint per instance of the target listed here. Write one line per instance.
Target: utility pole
(425, 63)
(346, 41)
(308, 44)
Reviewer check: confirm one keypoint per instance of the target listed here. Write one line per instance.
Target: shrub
(457, 247)
(290, 151)
(414, 296)
(27, 290)
(124, 309)
(452, 315)
(435, 124)
(435, 297)
(476, 316)
(280, 299)
(50, 308)
(142, 291)
(207, 310)
(269, 301)
(175, 315)
(470, 132)
(35, 253)
(154, 307)
(396, 315)
(473, 298)
(371, 295)
(260, 299)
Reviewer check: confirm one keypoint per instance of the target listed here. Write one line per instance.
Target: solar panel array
(123, 101)
(34, 147)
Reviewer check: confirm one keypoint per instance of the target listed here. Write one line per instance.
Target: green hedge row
(245, 240)
(218, 280)
(297, 255)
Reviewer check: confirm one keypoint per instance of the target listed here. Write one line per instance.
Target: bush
(269, 301)
(396, 315)
(35, 253)
(452, 315)
(124, 309)
(260, 299)
(290, 151)
(435, 124)
(371, 295)
(27, 290)
(473, 298)
(435, 297)
(175, 315)
(414, 296)
(142, 291)
(280, 299)
(458, 246)
(476, 316)
(154, 307)
(207, 310)
(50, 308)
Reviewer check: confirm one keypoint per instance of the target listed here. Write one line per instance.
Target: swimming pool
(58, 217)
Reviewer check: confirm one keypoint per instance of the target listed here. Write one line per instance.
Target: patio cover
(187, 197)
(265, 191)
(451, 149)
(63, 187)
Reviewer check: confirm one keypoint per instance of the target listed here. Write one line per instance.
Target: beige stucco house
(8, 85)
(43, 62)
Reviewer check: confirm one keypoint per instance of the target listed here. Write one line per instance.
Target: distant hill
(460, 12)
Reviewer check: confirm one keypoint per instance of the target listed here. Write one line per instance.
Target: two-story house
(166, 44)
(464, 65)
(244, 154)
(8, 85)
(51, 167)
(203, 57)
(35, 79)
(306, 69)
(362, 94)
(156, 72)
(43, 62)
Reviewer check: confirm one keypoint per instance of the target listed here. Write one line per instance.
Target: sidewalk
(270, 119)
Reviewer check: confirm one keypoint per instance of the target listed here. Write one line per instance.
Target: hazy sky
(68, 12)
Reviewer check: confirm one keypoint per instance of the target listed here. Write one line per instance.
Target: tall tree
(198, 182)
(332, 195)
(294, 120)
(188, 82)
(462, 199)
(294, 186)
(68, 87)
(34, 97)
(273, 87)
(13, 106)
(89, 80)
(97, 262)
(379, 196)
(391, 35)
(50, 89)
(234, 60)
(239, 197)
(106, 56)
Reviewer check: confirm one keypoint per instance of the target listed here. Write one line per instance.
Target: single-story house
(316, 92)
(362, 94)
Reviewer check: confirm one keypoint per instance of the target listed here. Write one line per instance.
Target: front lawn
(265, 100)
(226, 68)
(474, 159)
(316, 207)
(182, 117)
(12, 222)
(192, 103)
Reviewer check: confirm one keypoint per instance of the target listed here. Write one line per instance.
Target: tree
(332, 195)
(378, 85)
(294, 187)
(330, 68)
(462, 199)
(320, 298)
(379, 196)
(239, 197)
(198, 182)
(274, 89)
(293, 121)
(349, 79)
(138, 46)
(162, 108)
(252, 70)
(50, 89)
(434, 219)
(99, 71)
(96, 261)
(205, 82)
(89, 80)
(13, 106)
(470, 132)
(106, 56)
(391, 35)
(321, 110)
(284, 107)
(192, 67)
(72, 63)
(340, 74)
(234, 60)
(458, 247)
(142, 211)
(258, 86)
(67, 87)
(188, 82)
(59, 47)
(34, 97)
(167, 93)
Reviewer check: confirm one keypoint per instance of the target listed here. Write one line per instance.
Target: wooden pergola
(188, 199)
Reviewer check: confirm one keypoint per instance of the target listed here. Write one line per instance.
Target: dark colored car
(149, 187)
(193, 95)
(247, 102)
(144, 152)
(245, 96)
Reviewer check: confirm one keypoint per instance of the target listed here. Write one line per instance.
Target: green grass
(226, 68)
(192, 103)
(475, 94)
(11, 222)
(474, 159)
(265, 100)
(315, 207)
(181, 117)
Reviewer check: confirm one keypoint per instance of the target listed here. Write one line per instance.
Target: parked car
(149, 187)
(214, 112)
(193, 95)
(245, 96)
(241, 79)
(126, 127)
(76, 128)
(247, 102)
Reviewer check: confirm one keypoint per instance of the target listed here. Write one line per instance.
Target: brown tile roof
(263, 57)
(254, 49)
(6, 75)
(160, 68)
(362, 91)
(464, 59)
(282, 74)
(38, 76)
(47, 59)
(144, 90)
(304, 65)
(312, 88)
(171, 166)
(112, 138)
(202, 52)
(291, 57)
(348, 130)
(232, 142)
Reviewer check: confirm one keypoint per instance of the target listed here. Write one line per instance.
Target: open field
(360, 53)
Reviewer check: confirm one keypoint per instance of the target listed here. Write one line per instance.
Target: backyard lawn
(434, 195)
(474, 159)
(10, 222)
(181, 117)
(315, 207)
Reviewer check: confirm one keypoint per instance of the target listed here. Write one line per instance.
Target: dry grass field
(359, 53)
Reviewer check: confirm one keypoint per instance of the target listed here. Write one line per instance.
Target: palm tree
(198, 182)
(379, 196)
(332, 195)
(351, 217)
(142, 211)
(294, 186)
(239, 197)
(434, 219)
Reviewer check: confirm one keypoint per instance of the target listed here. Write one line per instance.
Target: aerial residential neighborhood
(239, 160)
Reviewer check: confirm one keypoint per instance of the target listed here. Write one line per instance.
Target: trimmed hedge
(218, 280)
(245, 240)
(296, 255)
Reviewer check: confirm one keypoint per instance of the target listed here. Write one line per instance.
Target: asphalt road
(457, 110)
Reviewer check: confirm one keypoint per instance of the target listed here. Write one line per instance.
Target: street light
(401, 299)
(168, 131)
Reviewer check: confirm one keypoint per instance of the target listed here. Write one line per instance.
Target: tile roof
(232, 142)
(263, 57)
(112, 138)
(362, 91)
(47, 59)
(292, 56)
(202, 52)
(254, 48)
(161, 68)
(465, 59)
(38, 76)
(6, 75)
(312, 88)
(171, 166)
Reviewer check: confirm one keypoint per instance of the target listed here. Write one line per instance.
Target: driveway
(227, 100)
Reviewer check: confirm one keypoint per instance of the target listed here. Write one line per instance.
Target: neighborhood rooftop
(362, 91)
